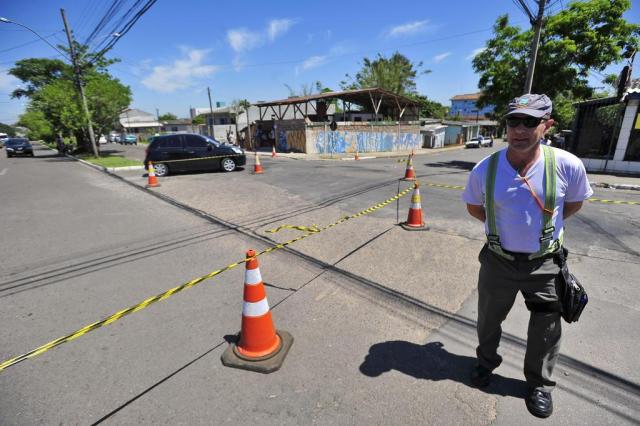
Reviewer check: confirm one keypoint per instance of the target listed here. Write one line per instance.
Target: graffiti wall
(365, 141)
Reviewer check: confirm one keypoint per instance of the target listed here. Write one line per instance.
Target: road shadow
(432, 362)
(453, 164)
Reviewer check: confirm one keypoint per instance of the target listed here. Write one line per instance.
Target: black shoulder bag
(572, 295)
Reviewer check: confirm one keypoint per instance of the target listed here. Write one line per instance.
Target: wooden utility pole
(78, 77)
(537, 28)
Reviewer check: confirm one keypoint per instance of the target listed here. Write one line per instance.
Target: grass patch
(110, 161)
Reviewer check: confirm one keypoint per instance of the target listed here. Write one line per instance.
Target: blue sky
(251, 49)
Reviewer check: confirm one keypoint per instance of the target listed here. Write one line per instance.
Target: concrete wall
(364, 137)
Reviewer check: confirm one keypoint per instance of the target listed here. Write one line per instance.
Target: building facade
(464, 107)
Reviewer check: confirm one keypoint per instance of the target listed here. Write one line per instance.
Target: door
(197, 148)
(170, 148)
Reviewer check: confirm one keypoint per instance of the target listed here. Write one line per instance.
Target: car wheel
(161, 169)
(228, 165)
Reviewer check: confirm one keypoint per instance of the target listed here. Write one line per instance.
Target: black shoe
(480, 376)
(539, 403)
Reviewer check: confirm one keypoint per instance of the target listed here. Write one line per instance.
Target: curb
(616, 186)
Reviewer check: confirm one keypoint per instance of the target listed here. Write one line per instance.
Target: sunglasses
(529, 122)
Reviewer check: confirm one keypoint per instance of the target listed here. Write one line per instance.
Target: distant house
(137, 121)
(182, 125)
(458, 132)
(464, 107)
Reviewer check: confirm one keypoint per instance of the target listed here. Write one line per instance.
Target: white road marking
(3, 171)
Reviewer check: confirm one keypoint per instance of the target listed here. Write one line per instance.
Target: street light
(9, 21)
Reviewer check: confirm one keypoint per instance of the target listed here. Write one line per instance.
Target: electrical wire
(30, 42)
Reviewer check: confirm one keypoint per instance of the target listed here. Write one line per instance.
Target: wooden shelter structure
(380, 102)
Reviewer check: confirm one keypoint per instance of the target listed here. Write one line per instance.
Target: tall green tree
(36, 73)
(396, 74)
(9, 130)
(587, 35)
(167, 116)
(38, 127)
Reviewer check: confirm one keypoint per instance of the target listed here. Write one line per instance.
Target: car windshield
(16, 141)
(211, 140)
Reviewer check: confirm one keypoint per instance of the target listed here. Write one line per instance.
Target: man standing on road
(523, 194)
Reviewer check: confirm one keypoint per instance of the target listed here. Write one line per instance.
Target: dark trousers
(499, 281)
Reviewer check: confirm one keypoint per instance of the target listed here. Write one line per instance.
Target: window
(193, 141)
(170, 142)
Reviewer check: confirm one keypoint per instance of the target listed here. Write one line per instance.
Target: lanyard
(535, 197)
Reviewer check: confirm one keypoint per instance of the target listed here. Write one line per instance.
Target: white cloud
(313, 62)
(407, 29)
(476, 52)
(277, 27)
(441, 57)
(181, 74)
(241, 39)
(7, 81)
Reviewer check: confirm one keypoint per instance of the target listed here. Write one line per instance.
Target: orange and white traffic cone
(414, 219)
(357, 157)
(257, 168)
(273, 151)
(259, 347)
(409, 173)
(152, 181)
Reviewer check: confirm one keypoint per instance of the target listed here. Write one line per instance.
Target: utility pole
(536, 22)
(157, 114)
(78, 78)
(211, 109)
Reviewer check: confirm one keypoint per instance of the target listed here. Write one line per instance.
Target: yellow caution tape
(196, 158)
(599, 200)
(312, 228)
(162, 296)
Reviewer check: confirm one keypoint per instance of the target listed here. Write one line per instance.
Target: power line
(29, 42)
(127, 27)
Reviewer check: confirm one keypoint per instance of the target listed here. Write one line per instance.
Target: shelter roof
(356, 96)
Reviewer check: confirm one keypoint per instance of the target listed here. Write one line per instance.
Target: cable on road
(162, 296)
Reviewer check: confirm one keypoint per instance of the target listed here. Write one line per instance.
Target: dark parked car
(18, 146)
(193, 151)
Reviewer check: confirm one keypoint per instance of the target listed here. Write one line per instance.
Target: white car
(3, 138)
(476, 143)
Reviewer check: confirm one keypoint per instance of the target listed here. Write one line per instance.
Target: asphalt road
(383, 319)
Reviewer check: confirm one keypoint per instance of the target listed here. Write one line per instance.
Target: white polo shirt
(519, 219)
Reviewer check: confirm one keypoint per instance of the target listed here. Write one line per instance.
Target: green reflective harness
(547, 243)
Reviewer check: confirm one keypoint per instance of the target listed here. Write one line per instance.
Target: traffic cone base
(152, 181)
(265, 364)
(258, 346)
(273, 151)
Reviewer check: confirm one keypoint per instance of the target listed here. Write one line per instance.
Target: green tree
(167, 117)
(198, 120)
(9, 130)
(396, 74)
(429, 108)
(587, 35)
(36, 73)
(106, 98)
(38, 126)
